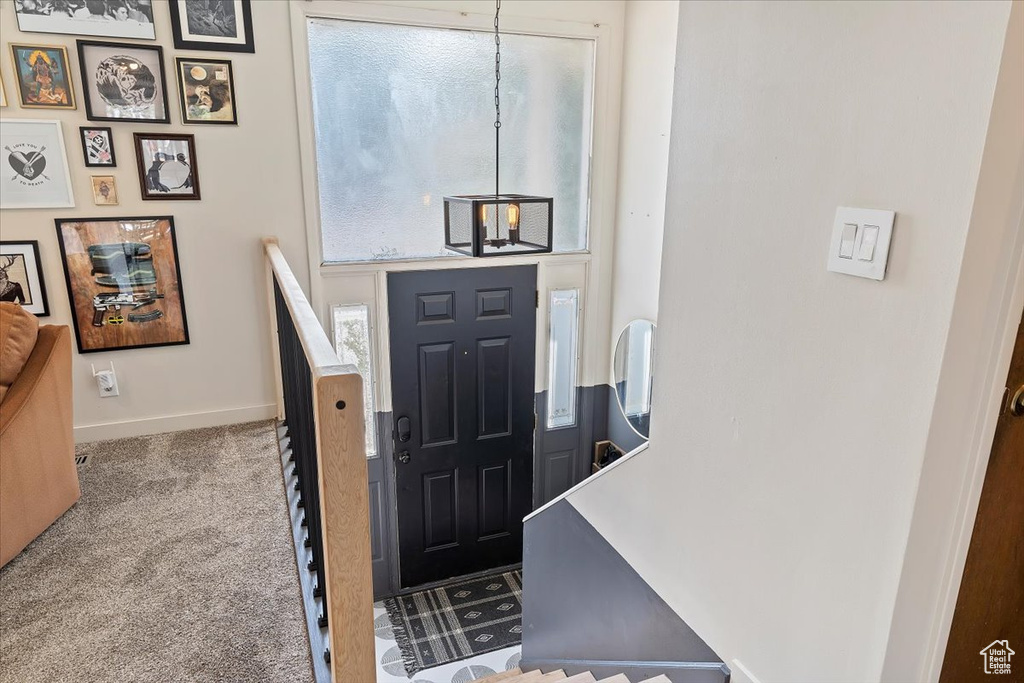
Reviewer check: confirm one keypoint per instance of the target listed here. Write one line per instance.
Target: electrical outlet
(107, 382)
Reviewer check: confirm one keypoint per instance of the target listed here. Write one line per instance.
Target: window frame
(589, 147)
(591, 270)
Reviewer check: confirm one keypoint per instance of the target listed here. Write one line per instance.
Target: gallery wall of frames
(122, 273)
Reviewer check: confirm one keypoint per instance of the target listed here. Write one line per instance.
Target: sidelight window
(352, 344)
(404, 115)
(563, 330)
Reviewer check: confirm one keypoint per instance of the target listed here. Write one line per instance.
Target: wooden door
(462, 383)
(990, 607)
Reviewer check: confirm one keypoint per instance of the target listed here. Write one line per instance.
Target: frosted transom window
(404, 115)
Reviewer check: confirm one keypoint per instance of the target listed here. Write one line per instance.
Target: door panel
(440, 509)
(437, 393)
(990, 606)
(462, 380)
(494, 387)
(495, 500)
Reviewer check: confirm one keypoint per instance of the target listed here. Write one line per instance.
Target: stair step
(658, 679)
(585, 677)
(501, 676)
(528, 677)
(558, 675)
(617, 678)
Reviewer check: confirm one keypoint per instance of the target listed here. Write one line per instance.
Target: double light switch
(860, 242)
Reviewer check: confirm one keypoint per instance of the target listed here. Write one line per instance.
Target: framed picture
(35, 166)
(44, 78)
(214, 25)
(3, 92)
(104, 190)
(21, 276)
(110, 18)
(124, 282)
(121, 81)
(206, 89)
(167, 165)
(98, 147)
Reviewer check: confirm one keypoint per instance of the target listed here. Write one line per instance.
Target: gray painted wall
(619, 431)
(584, 605)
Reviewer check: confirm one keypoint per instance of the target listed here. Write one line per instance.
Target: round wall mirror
(633, 368)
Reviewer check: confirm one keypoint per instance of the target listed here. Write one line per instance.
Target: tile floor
(389, 659)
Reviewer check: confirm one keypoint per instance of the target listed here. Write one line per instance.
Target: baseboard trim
(677, 672)
(173, 423)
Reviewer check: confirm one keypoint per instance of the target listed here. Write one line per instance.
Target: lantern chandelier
(498, 224)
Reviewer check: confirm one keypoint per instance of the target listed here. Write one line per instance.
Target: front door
(462, 383)
(987, 635)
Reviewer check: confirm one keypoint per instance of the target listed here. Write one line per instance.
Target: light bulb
(483, 214)
(512, 212)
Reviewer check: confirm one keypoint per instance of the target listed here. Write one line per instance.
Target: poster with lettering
(34, 166)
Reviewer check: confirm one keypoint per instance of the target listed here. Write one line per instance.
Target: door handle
(404, 457)
(404, 432)
(1017, 403)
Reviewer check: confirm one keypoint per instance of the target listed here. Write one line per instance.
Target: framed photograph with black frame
(21, 276)
(213, 25)
(124, 282)
(123, 82)
(168, 168)
(98, 146)
(206, 91)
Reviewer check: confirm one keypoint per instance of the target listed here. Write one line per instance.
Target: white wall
(251, 185)
(647, 84)
(793, 406)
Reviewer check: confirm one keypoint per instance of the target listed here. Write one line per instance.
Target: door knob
(404, 432)
(404, 457)
(1017, 404)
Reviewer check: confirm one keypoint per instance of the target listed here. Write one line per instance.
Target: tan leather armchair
(38, 477)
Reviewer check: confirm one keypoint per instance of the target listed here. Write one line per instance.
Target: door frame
(940, 533)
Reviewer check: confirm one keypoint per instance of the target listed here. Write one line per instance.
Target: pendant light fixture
(497, 224)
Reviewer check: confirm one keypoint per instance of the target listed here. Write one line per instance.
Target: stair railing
(321, 403)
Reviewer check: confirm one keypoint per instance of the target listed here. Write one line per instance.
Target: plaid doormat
(457, 621)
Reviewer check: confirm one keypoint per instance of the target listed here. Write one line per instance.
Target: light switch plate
(873, 268)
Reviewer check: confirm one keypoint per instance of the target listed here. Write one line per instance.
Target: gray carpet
(176, 565)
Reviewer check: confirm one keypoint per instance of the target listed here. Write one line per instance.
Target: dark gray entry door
(462, 386)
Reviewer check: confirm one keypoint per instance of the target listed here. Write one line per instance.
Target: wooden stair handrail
(346, 575)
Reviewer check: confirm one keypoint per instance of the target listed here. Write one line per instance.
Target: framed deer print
(35, 166)
(21, 276)
(124, 282)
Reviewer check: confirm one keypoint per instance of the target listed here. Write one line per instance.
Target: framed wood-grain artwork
(124, 282)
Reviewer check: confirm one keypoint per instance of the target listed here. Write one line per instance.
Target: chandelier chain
(497, 98)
